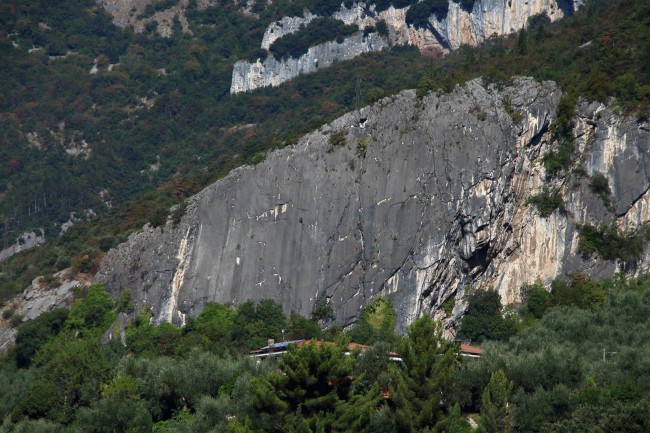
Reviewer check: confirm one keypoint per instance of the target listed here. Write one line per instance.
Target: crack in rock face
(422, 200)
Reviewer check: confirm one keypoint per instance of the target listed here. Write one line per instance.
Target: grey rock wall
(273, 72)
(487, 18)
(426, 198)
(37, 299)
(24, 242)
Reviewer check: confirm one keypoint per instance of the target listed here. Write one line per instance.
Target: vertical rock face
(487, 18)
(491, 18)
(285, 26)
(424, 198)
(24, 242)
(274, 72)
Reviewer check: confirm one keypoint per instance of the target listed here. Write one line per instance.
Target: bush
(546, 201)
(34, 333)
(599, 185)
(448, 306)
(337, 139)
(418, 14)
(322, 310)
(8, 313)
(375, 94)
(362, 146)
(382, 28)
(555, 161)
(609, 243)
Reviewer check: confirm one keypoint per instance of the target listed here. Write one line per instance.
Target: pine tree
(495, 416)
(430, 363)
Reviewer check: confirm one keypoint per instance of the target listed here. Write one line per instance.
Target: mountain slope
(182, 123)
(414, 199)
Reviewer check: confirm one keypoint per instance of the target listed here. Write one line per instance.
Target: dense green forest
(156, 122)
(572, 359)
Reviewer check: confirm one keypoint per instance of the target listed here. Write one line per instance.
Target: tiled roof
(472, 350)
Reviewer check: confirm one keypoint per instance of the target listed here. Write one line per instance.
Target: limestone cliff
(132, 13)
(486, 19)
(24, 242)
(423, 199)
(42, 296)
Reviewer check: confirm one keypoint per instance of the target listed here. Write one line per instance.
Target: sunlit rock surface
(425, 199)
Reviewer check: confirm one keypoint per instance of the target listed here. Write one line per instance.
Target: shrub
(8, 313)
(555, 161)
(515, 115)
(599, 185)
(382, 28)
(322, 310)
(375, 94)
(34, 333)
(546, 201)
(362, 146)
(448, 306)
(609, 243)
(337, 139)
(418, 14)
(425, 86)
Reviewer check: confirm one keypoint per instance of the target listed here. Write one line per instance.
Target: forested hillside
(154, 123)
(574, 359)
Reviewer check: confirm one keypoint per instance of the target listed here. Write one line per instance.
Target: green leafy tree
(300, 327)
(41, 401)
(377, 323)
(72, 371)
(216, 322)
(322, 309)
(92, 311)
(31, 335)
(255, 324)
(522, 43)
(536, 299)
(582, 291)
(483, 318)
